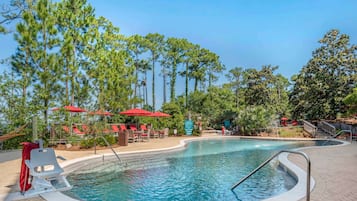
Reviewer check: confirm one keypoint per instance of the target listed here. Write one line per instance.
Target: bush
(196, 132)
(89, 143)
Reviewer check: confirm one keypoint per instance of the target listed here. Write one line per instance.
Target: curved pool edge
(74, 164)
(298, 192)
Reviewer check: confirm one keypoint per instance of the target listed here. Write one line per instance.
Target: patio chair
(107, 131)
(164, 133)
(143, 127)
(77, 131)
(115, 128)
(133, 127)
(154, 134)
(132, 137)
(66, 129)
(145, 135)
(122, 127)
(86, 129)
(46, 172)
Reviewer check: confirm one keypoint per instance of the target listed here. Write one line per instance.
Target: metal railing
(106, 142)
(271, 158)
(310, 128)
(343, 131)
(327, 128)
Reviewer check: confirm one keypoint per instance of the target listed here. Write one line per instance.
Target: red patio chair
(66, 129)
(122, 127)
(115, 128)
(145, 135)
(143, 127)
(107, 130)
(77, 131)
(85, 128)
(133, 127)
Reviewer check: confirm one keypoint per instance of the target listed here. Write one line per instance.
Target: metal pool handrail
(106, 142)
(271, 158)
(343, 131)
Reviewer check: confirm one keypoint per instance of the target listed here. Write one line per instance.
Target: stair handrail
(310, 128)
(327, 128)
(271, 158)
(343, 131)
(106, 142)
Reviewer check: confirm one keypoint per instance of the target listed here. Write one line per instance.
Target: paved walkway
(334, 171)
(333, 168)
(9, 155)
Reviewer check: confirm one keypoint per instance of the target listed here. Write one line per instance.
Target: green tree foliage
(322, 84)
(110, 69)
(74, 19)
(136, 47)
(252, 119)
(41, 21)
(235, 77)
(263, 87)
(214, 66)
(12, 107)
(174, 53)
(155, 45)
(280, 95)
(177, 118)
(219, 101)
(351, 101)
(188, 58)
(22, 62)
(12, 12)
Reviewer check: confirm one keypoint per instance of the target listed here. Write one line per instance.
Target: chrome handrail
(343, 131)
(271, 158)
(106, 142)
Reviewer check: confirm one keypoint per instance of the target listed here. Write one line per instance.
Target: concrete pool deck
(332, 167)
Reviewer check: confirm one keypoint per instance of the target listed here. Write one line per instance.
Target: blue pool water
(205, 170)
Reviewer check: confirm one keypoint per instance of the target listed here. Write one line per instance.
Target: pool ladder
(115, 153)
(271, 158)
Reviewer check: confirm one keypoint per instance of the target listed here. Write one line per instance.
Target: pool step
(127, 164)
(101, 173)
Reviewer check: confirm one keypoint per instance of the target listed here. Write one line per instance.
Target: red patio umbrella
(101, 112)
(159, 114)
(283, 121)
(70, 108)
(136, 112)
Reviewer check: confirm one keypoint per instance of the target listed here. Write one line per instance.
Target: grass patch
(291, 132)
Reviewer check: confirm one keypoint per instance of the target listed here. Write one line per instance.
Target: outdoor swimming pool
(205, 170)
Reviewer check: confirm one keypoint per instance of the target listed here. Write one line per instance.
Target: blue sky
(244, 33)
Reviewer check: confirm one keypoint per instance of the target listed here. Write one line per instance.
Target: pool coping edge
(296, 193)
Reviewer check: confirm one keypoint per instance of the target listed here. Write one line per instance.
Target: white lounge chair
(46, 172)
